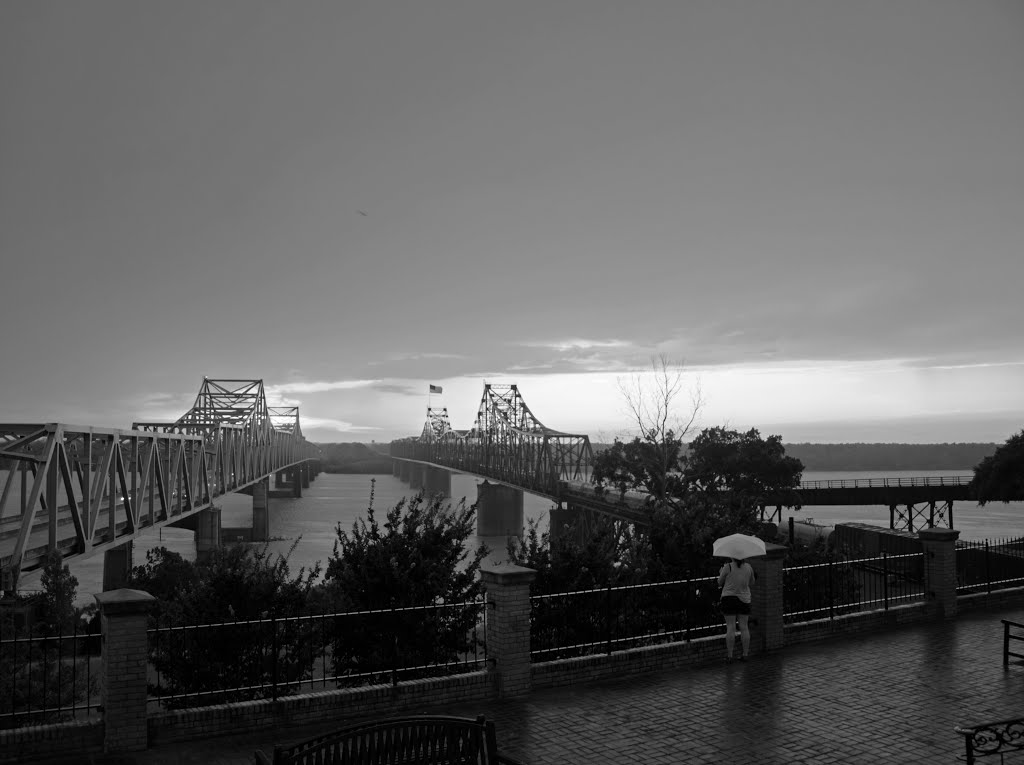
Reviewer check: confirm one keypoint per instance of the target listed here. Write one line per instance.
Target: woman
(735, 579)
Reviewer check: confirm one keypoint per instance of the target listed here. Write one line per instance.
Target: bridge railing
(866, 483)
(214, 663)
(608, 619)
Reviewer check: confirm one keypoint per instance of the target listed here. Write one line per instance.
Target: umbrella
(738, 546)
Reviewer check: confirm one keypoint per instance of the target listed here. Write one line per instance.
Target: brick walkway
(885, 697)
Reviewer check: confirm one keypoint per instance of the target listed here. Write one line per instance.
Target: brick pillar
(260, 511)
(766, 606)
(508, 626)
(123, 669)
(939, 546)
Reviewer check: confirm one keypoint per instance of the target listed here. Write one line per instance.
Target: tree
(419, 557)
(1000, 476)
(234, 584)
(651, 460)
(742, 468)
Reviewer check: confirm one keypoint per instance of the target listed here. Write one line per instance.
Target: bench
(1009, 635)
(994, 739)
(419, 740)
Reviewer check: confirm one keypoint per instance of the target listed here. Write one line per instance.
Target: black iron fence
(46, 675)
(842, 586)
(195, 665)
(987, 565)
(608, 619)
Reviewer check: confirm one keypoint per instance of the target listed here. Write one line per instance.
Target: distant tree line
(353, 458)
(960, 457)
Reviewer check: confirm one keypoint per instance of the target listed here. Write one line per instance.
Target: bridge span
(508, 446)
(83, 490)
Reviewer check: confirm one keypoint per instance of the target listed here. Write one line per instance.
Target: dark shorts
(733, 606)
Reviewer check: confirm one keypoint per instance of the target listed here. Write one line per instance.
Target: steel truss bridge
(81, 490)
(508, 444)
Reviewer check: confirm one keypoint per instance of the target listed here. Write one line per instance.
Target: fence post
(123, 670)
(508, 626)
(939, 547)
(766, 608)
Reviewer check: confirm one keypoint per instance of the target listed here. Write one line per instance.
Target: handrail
(1007, 637)
(992, 738)
(859, 483)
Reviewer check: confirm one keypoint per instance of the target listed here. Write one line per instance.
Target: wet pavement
(890, 696)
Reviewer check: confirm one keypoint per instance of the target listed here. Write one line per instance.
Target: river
(310, 523)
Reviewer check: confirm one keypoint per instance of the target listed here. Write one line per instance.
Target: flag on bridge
(435, 388)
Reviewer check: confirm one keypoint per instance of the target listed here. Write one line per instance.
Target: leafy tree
(742, 468)
(46, 668)
(419, 557)
(234, 584)
(1000, 476)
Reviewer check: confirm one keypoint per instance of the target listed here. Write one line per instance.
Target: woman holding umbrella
(735, 579)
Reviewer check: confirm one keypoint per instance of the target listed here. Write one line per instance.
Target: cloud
(317, 387)
(322, 423)
(396, 357)
(574, 344)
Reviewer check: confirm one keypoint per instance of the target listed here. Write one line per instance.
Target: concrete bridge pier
(296, 481)
(280, 478)
(261, 511)
(404, 470)
(499, 510)
(207, 532)
(396, 468)
(117, 565)
(560, 519)
(416, 475)
(437, 481)
(305, 471)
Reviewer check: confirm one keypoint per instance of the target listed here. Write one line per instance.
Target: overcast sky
(817, 206)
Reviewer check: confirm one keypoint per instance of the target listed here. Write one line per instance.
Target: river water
(310, 523)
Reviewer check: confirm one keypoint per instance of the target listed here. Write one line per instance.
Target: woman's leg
(745, 634)
(730, 634)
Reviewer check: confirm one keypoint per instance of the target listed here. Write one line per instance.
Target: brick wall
(36, 742)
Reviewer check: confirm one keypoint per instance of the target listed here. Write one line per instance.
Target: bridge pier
(280, 478)
(297, 481)
(416, 475)
(261, 511)
(560, 519)
(437, 481)
(207, 532)
(117, 565)
(499, 510)
(404, 470)
(305, 470)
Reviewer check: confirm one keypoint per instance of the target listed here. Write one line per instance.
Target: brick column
(117, 565)
(207, 532)
(766, 607)
(508, 626)
(123, 670)
(939, 546)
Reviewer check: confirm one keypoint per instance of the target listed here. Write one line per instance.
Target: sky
(815, 208)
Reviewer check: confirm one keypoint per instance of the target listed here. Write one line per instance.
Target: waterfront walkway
(885, 697)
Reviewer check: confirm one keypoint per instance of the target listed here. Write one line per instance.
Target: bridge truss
(81, 490)
(506, 443)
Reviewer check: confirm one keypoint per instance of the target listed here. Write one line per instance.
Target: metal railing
(841, 586)
(986, 565)
(195, 665)
(46, 678)
(609, 619)
(858, 483)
